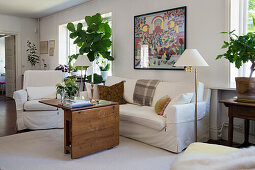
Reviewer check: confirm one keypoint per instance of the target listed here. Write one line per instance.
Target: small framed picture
(43, 47)
(51, 44)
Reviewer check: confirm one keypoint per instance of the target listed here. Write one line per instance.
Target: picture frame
(159, 39)
(51, 44)
(43, 47)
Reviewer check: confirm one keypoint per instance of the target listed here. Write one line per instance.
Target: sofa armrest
(20, 98)
(184, 112)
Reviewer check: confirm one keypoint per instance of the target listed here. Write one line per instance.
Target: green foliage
(251, 4)
(68, 87)
(95, 40)
(97, 78)
(32, 56)
(70, 59)
(105, 68)
(251, 15)
(240, 49)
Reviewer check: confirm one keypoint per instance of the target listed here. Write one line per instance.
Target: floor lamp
(192, 58)
(82, 61)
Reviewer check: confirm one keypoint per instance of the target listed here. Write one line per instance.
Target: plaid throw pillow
(144, 91)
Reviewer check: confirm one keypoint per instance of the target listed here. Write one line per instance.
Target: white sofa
(31, 114)
(173, 131)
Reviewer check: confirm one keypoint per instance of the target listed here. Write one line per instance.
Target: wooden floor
(8, 116)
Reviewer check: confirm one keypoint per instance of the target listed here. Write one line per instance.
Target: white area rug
(44, 150)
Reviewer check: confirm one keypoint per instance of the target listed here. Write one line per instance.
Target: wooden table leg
(246, 134)
(66, 134)
(230, 130)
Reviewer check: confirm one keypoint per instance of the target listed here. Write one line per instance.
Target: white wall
(24, 29)
(205, 21)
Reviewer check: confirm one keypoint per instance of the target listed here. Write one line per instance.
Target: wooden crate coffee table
(89, 129)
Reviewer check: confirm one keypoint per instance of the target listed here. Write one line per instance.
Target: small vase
(104, 75)
(62, 97)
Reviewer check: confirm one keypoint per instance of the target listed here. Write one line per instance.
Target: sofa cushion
(161, 105)
(143, 115)
(174, 89)
(45, 92)
(112, 93)
(129, 86)
(184, 98)
(36, 105)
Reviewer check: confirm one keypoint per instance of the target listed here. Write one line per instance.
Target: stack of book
(77, 103)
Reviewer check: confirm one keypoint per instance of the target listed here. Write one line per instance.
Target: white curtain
(239, 23)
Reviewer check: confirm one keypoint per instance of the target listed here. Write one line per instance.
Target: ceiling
(35, 8)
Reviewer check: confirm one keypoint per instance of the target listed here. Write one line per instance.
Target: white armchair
(31, 114)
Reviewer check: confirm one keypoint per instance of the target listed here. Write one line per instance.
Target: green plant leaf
(219, 56)
(97, 19)
(70, 27)
(97, 78)
(225, 46)
(88, 20)
(91, 56)
(79, 26)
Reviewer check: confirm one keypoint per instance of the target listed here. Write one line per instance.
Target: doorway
(7, 64)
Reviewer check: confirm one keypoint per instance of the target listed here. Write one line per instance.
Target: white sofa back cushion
(37, 93)
(40, 78)
(172, 89)
(184, 98)
(175, 89)
(129, 86)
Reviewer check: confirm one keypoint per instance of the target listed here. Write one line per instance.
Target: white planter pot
(104, 74)
(74, 73)
(66, 74)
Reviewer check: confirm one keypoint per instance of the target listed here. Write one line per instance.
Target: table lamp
(192, 58)
(82, 61)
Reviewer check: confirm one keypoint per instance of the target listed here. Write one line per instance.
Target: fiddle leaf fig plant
(93, 40)
(240, 49)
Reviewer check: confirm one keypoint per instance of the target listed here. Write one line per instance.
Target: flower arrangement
(67, 88)
(44, 64)
(32, 55)
(63, 68)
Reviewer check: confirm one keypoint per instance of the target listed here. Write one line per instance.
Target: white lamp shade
(191, 57)
(82, 60)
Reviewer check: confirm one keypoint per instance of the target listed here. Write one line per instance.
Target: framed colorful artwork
(159, 39)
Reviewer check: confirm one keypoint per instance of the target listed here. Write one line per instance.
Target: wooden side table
(241, 110)
(89, 129)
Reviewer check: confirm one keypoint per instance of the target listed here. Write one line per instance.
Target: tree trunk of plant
(252, 68)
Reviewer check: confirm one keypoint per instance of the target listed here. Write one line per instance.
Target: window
(241, 20)
(2, 55)
(66, 45)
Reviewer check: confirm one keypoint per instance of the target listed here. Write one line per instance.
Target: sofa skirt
(40, 119)
(174, 137)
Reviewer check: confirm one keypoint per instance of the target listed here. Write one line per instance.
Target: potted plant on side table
(104, 71)
(67, 89)
(240, 50)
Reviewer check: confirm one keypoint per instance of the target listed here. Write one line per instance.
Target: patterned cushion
(112, 93)
(161, 105)
(144, 91)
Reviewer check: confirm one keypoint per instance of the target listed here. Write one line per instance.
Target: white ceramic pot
(74, 73)
(66, 74)
(104, 75)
